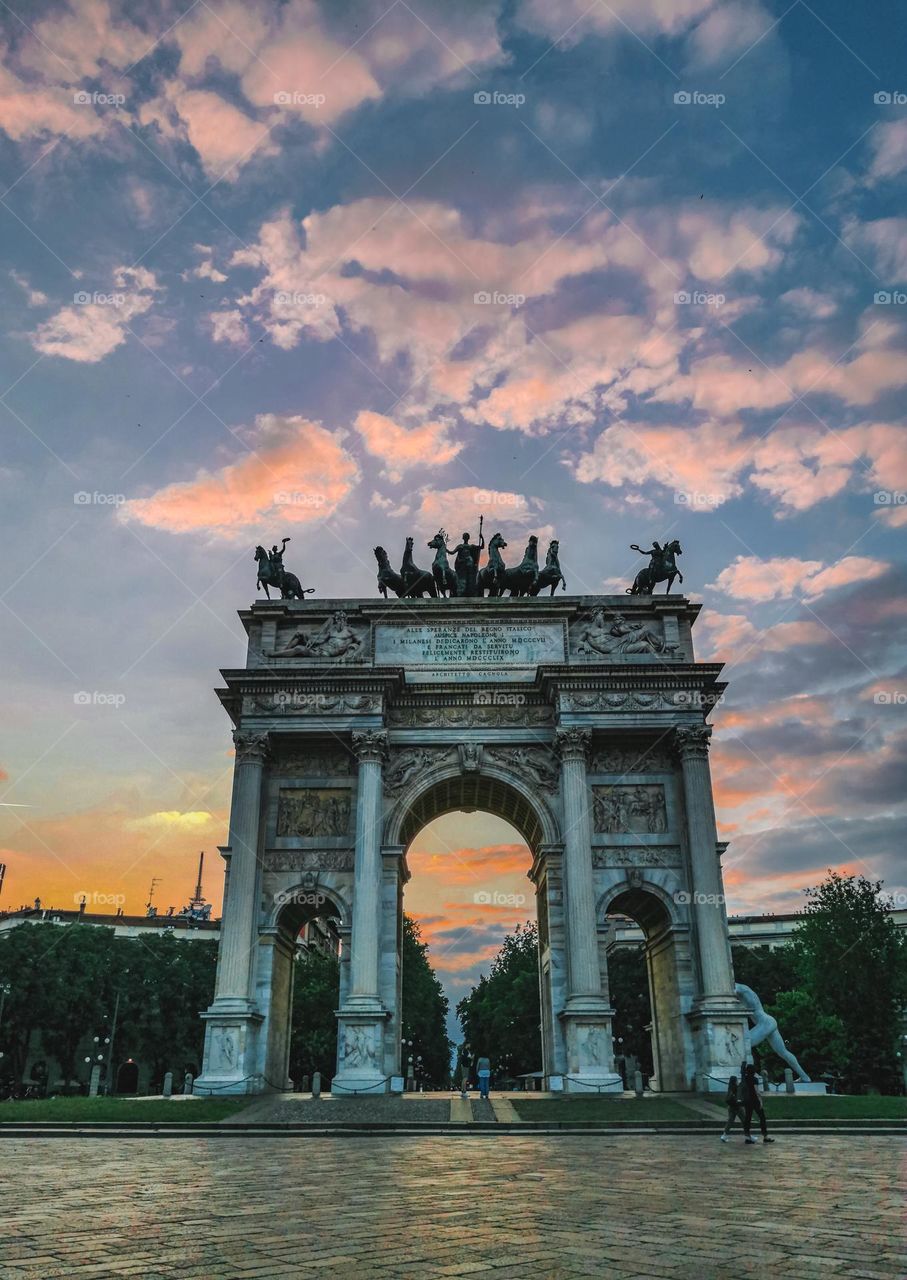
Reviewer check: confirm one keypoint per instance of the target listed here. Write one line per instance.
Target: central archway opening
(305, 952)
(644, 989)
(469, 853)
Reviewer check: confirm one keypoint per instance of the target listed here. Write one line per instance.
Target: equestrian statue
(661, 568)
(272, 573)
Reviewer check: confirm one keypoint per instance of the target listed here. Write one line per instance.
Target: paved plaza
(506, 1206)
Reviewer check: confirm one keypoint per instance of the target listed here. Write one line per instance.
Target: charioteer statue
(466, 563)
(272, 573)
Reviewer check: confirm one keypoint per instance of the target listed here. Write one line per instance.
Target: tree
(768, 970)
(77, 972)
(163, 983)
(853, 964)
(313, 1038)
(501, 1016)
(817, 1039)
(424, 1009)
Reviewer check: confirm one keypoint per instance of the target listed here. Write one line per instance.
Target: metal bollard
(316, 1085)
(637, 1084)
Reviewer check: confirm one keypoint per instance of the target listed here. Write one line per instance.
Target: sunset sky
(351, 271)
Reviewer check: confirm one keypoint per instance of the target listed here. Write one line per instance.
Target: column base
(719, 1029)
(590, 1049)
(360, 1048)
(231, 1047)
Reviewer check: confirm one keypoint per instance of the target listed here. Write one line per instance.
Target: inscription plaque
(475, 650)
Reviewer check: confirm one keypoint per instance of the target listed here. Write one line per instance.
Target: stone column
(231, 1062)
(360, 1033)
(692, 746)
(586, 1015)
(238, 940)
(717, 1018)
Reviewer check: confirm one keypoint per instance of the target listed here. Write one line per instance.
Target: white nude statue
(765, 1029)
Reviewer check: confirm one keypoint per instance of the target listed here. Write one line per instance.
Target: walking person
(734, 1108)
(483, 1071)
(752, 1101)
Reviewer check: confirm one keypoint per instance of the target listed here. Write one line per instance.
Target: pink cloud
(403, 448)
(778, 578)
(298, 471)
(888, 142)
(98, 321)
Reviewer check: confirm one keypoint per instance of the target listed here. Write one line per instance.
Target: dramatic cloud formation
(98, 321)
(294, 469)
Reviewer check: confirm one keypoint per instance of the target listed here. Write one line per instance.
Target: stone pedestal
(360, 1033)
(717, 1019)
(586, 1016)
(231, 1062)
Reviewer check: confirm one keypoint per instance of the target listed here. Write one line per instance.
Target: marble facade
(600, 760)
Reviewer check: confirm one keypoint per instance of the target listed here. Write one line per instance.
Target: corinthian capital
(251, 748)
(370, 746)
(692, 741)
(573, 742)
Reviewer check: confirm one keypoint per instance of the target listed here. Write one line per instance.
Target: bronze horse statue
(386, 575)
(522, 579)
(444, 577)
(551, 575)
(490, 578)
(416, 582)
(661, 568)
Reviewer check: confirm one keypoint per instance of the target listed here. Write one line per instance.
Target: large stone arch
(502, 792)
(492, 789)
(665, 926)
(581, 720)
(307, 898)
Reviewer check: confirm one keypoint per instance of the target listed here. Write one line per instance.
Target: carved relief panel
(313, 811)
(621, 809)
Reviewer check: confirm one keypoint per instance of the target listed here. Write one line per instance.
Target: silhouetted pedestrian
(752, 1101)
(734, 1107)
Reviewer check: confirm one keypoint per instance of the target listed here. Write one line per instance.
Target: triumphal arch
(582, 720)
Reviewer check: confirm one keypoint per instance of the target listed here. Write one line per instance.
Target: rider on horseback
(278, 572)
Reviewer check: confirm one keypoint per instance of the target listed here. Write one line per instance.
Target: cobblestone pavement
(502, 1206)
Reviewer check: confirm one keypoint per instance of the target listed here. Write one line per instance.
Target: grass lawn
(599, 1110)
(833, 1107)
(125, 1109)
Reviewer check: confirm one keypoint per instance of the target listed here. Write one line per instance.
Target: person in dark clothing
(753, 1102)
(734, 1107)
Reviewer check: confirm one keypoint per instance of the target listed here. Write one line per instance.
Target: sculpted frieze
(307, 860)
(617, 700)
(650, 856)
(536, 764)
(313, 811)
(410, 764)
(614, 759)
(468, 714)
(319, 762)
(605, 633)
(297, 702)
(619, 810)
(336, 640)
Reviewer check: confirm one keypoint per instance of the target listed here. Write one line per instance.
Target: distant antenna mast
(198, 898)
(152, 910)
